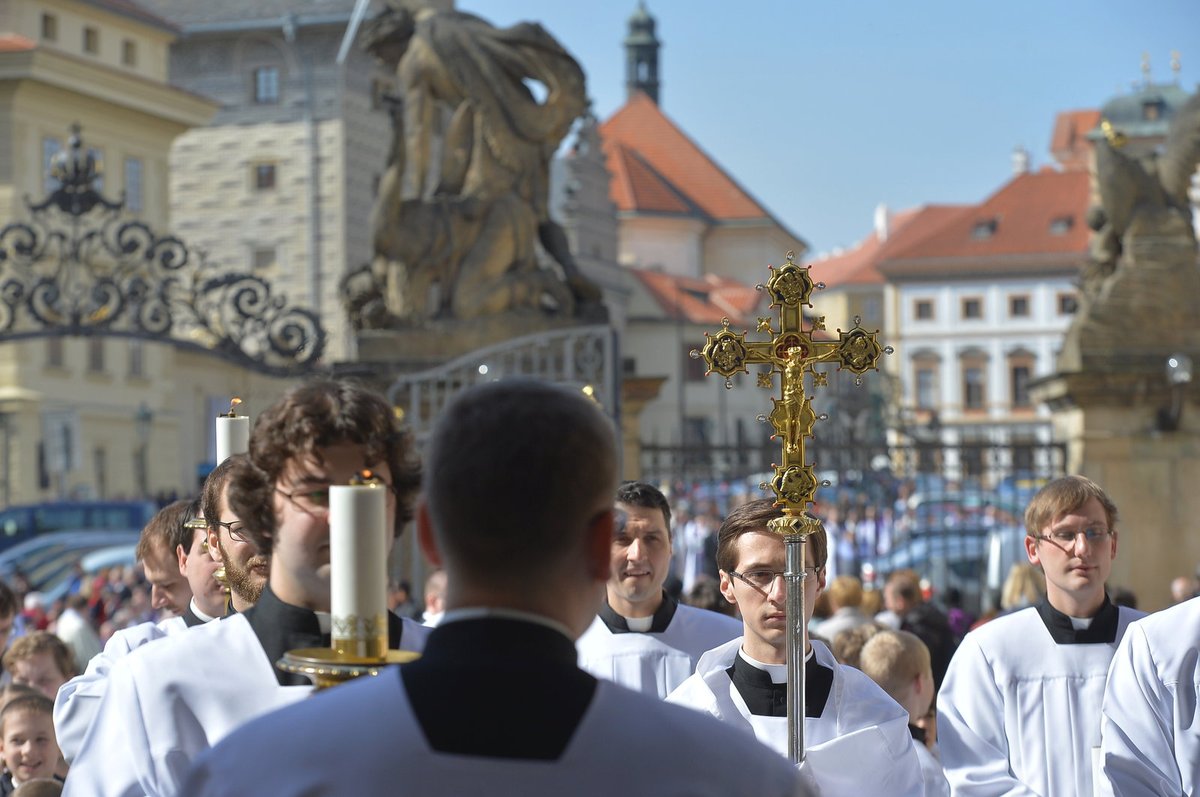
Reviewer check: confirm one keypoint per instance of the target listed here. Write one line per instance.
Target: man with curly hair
(170, 700)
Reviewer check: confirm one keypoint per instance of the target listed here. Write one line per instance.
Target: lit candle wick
(233, 402)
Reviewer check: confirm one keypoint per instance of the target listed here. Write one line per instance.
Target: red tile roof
(860, 265)
(15, 43)
(1069, 143)
(641, 126)
(1038, 215)
(702, 300)
(636, 184)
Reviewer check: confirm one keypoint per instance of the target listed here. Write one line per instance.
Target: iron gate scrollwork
(80, 267)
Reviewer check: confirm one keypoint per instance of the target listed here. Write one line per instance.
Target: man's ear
(214, 549)
(598, 542)
(425, 535)
(181, 557)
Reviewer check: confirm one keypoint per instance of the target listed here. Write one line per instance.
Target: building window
(266, 85)
(1061, 225)
(97, 157)
(95, 357)
(1019, 378)
(873, 310)
(100, 467)
(49, 27)
(129, 52)
(264, 176)
(1067, 304)
(694, 367)
(926, 379)
(984, 229)
(262, 258)
(137, 360)
(54, 353)
(133, 185)
(91, 40)
(1018, 306)
(50, 148)
(972, 308)
(973, 387)
(923, 310)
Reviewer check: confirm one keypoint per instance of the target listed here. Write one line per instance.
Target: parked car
(24, 522)
(48, 561)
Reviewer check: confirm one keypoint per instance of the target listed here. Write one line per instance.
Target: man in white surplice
(1150, 725)
(1019, 710)
(167, 701)
(643, 638)
(497, 705)
(856, 737)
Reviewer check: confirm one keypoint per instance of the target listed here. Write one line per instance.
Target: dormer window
(702, 296)
(1152, 110)
(1061, 225)
(985, 228)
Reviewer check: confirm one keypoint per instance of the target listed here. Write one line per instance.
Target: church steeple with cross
(641, 54)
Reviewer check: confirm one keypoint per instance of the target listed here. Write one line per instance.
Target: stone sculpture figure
(1140, 283)
(458, 216)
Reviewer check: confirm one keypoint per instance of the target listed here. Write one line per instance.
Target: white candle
(358, 552)
(233, 436)
(233, 432)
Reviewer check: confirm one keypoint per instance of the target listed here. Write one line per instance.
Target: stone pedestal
(1111, 422)
(636, 393)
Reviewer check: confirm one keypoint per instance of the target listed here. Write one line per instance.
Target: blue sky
(822, 110)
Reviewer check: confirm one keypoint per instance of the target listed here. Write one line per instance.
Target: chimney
(881, 222)
(1020, 161)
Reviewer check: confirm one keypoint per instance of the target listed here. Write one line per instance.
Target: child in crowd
(41, 660)
(27, 742)
(899, 662)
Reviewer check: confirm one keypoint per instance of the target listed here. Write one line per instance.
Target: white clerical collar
(480, 612)
(1080, 623)
(325, 620)
(778, 672)
(201, 616)
(639, 624)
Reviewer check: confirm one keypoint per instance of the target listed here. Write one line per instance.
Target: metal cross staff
(792, 352)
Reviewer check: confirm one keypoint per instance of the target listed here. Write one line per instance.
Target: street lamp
(142, 421)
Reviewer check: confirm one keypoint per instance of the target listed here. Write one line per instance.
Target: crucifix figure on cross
(792, 351)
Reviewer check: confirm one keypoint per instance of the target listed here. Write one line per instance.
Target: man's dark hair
(167, 529)
(646, 496)
(214, 486)
(309, 417)
(515, 471)
(753, 516)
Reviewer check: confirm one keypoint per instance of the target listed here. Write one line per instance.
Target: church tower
(641, 55)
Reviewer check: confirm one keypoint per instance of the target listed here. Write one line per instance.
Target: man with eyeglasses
(522, 520)
(168, 701)
(199, 568)
(643, 638)
(1019, 710)
(244, 568)
(856, 738)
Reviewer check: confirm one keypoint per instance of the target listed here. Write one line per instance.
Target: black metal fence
(952, 512)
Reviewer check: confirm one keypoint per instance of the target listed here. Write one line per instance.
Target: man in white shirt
(497, 704)
(643, 638)
(856, 737)
(1019, 710)
(1150, 721)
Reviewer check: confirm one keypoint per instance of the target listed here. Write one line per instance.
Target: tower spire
(641, 54)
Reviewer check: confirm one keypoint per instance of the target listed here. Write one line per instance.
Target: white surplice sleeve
(971, 733)
(1139, 724)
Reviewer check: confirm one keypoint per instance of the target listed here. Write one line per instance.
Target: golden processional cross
(793, 353)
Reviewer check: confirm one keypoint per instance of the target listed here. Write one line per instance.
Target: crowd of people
(556, 621)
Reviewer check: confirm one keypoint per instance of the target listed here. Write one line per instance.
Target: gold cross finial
(792, 352)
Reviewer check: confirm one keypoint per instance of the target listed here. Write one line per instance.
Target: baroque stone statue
(463, 204)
